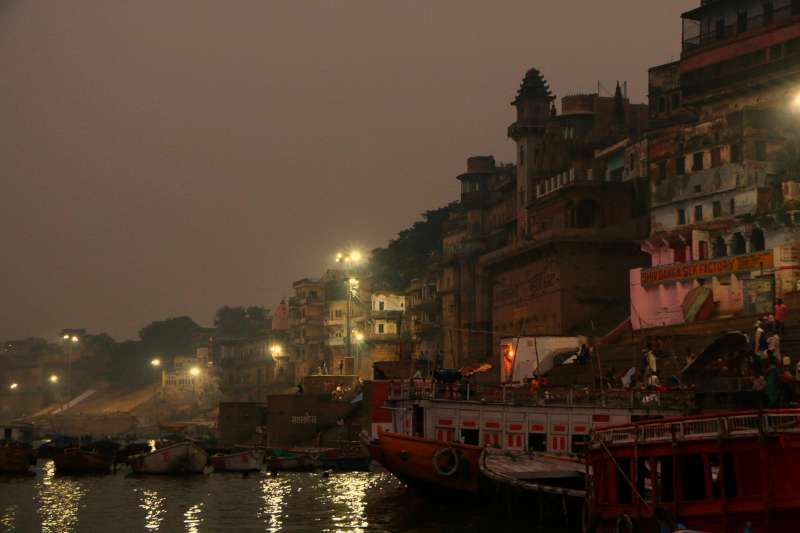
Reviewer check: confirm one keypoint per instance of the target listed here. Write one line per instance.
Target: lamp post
(351, 284)
(71, 341)
(194, 372)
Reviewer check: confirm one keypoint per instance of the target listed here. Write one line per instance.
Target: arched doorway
(719, 248)
(757, 241)
(738, 246)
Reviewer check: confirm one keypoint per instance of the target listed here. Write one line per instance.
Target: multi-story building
(246, 370)
(723, 167)
(382, 338)
(577, 223)
(423, 318)
(485, 221)
(306, 325)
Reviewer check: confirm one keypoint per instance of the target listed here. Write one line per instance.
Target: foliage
(788, 160)
(408, 256)
(168, 338)
(242, 321)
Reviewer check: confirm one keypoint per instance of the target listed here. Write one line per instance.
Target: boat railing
(427, 389)
(700, 428)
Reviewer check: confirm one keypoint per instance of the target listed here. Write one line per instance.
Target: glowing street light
(66, 336)
(353, 256)
(74, 338)
(194, 371)
(276, 350)
(53, 378)
(795, 103)
(359, 336)
(156, 362)
(13, 386)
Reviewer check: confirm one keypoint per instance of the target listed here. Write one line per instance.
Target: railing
(701, 428)
(731, 30)
(428, 389)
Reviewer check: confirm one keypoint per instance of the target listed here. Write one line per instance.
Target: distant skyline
(165, 159)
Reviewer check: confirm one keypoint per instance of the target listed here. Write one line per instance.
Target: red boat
(429, 463)
(716, 473)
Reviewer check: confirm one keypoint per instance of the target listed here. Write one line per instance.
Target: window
(662, 170)
(676, 101)
(741, 22)
(381, 305)
(720, 249)
(736, 153)
(716, 157)
(738, 246)
(662, 104)
(578, 445)
(537, 442)
(681, 217)
(680, 166)
(380, 328)
(666, 490)
(761, 151)
(757, 243)
(470, 436)
(644, 479)
(768, 12)
(717, 208)
(697, 161)
(693, 482)
(338, 313)
(698, 213)
(702, 250)
(624, 492)
(733, 206)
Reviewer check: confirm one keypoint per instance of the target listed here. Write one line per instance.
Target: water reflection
(348, 493)
(273, 494)
(8, 517)
(59, 500)
(193, 517)
(154, 509)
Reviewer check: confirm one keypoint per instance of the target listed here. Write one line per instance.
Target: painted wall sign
(714, 267)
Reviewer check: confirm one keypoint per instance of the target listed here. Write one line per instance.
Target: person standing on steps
(780, 316)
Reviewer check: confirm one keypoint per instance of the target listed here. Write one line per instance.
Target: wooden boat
(549, 489)
(179, 458)
(714, 473)
(280, 460)
(428, 463)
(16, 458)
(345, 462)
(242, 461)
(82, 461)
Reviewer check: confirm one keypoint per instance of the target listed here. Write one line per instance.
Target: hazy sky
(162, 158)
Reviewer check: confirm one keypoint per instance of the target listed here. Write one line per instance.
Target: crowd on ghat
(762, 364)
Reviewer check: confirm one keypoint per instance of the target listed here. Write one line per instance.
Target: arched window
(719, 248)
(738, 246)
(586, 214)
(757, 240)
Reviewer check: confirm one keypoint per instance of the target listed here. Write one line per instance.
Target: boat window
(470, 436)
(664, 472)
(624, 492)
(644, 478)
(715, 475)
(537, 442)
(729, 475)
(693, 478)
(578, 445)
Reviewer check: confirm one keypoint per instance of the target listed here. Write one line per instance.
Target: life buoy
(625, 524)
(453, 461)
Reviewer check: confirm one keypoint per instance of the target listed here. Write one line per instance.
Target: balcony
(711, 181)
(694, 38)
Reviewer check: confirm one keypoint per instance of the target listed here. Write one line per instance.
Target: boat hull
(430, 463)
(244, 461)
(351, 464)
(76, 461)
(291, 462)
(180, 458)
(15, 459)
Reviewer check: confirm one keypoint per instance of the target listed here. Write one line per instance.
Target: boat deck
(535, 472)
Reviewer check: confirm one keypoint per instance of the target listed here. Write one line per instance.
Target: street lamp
(349, 258)
(156, 362)
(276, 350)
(13, 386)
(53, 378)
(71, 341)
(194, 371)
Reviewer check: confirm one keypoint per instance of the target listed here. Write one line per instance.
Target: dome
(533, 86)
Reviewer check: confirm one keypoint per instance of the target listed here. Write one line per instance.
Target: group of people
(770, 368)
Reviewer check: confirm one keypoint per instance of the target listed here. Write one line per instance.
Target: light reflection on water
(59, 500)
(293, 502)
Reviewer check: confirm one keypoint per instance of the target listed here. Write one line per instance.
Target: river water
(291, 502)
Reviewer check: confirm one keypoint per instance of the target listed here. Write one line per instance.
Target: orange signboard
(714, 267)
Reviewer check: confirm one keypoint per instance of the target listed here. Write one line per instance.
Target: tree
(408, 256)
(169, 337)
(242, 321)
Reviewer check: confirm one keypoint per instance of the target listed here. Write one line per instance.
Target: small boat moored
(280, 460)
(16, 458)
(82, 461)
(242, 461)
(179, 458)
